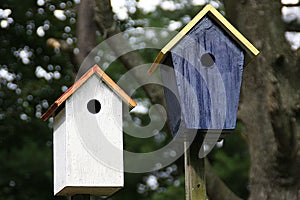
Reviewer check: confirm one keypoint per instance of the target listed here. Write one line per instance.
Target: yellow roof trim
(223, 22)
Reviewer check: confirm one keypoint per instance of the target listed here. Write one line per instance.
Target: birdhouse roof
(222, 21)
(94, 70)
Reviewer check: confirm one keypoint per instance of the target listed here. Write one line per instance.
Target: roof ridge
(221, 20)
(109, 82)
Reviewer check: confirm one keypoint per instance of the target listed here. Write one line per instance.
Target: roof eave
(94, 70)
(221, 20)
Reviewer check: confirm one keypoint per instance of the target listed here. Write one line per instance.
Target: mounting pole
(195, 188)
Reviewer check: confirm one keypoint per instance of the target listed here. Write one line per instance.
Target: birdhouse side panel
(171, 95)
(95, 139)
(208, 69)
(59, 151)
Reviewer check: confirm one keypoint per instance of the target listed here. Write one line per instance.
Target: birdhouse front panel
(208, 66)
(88, 141)
(208, 56)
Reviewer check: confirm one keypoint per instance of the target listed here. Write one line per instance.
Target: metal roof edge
(230, 29)
(94, 70)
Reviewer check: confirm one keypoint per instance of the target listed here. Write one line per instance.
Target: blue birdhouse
(205, 64)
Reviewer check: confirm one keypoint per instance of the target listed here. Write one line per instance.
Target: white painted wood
(59, 150)
(93, 147)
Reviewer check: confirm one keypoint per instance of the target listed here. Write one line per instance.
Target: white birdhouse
(88, 136)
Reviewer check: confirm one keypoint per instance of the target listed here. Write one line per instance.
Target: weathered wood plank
(208, 71)
(171, 95)
(208, 10)
(194, 171)
(88, 156)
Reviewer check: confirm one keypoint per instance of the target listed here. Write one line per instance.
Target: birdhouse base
(97, 191)
(223, 133)
(217, 131)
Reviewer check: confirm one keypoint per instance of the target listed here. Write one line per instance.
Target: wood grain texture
(195, 185)
(88, 148)
(96, 69)
(59, 150)
(209, 96)
(172, 96)
(208, 10)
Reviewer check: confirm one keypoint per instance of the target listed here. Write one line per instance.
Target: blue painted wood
(172, 95)
(208, 86)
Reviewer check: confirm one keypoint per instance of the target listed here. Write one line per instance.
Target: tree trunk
(107, 27)
(269, 106)
(86, 31)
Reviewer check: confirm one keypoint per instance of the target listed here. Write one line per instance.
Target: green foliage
(232, 163)
(26, 141)
(33, 75)
(175, 191)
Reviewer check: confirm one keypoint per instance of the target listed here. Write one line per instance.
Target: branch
(106, 25)
(62, 45)
(216, 188)
(86, 31)
(268, 95)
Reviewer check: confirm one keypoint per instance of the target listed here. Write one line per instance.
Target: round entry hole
(207, 60)
(94, 106)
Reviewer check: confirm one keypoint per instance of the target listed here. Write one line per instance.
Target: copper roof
(94, 70)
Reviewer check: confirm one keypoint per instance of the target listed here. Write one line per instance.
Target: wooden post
(195, 187)
(80, 197)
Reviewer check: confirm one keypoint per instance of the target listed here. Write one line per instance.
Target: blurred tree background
(43, 42)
